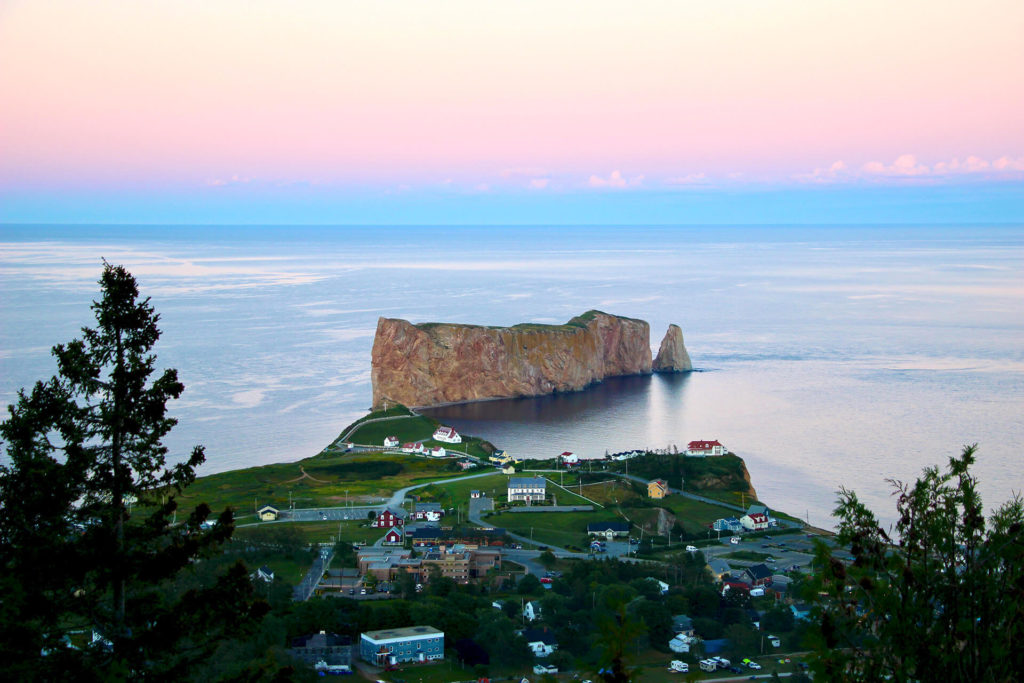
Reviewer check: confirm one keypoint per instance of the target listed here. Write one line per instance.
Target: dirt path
(305, 475)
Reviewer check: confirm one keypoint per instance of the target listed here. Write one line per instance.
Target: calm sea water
(829, 356)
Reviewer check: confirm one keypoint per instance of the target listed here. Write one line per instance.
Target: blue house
(727, 524)
(397, 645)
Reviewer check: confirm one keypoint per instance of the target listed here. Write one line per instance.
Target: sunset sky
(328, 111)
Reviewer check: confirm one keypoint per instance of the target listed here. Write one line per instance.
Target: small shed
(268, 513)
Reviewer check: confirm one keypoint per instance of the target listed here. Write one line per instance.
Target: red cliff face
(432, 363)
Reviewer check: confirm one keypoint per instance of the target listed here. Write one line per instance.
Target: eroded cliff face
(672, 355)
(433, 363)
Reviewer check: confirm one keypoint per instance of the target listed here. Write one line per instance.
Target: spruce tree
(87, 503)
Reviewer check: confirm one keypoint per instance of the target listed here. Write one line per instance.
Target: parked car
(691, 548)
(753, 665)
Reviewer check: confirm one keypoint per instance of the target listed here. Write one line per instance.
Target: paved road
(305, 588)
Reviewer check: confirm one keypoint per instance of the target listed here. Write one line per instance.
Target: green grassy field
(552, 528)
(450, 494)
(319, 532)
(411, 429)
(321, 481)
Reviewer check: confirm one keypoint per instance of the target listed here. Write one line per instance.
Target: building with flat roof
(328, 652)
(398, 645)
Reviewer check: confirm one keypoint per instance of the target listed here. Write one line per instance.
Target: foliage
(529, 585)
(87, 505)
(548, 559)
(941, 601)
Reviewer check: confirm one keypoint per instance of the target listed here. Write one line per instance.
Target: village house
(394, 536)
(528, 489)
(466, 465)
(391, 441)
(541, 642)
(268, 513)
(730, 524)
(683, 625)
(392, 646)
(760, 517)
(531, 610)
(390, 517)
(657, 488)
(430, 512)
(609, 530)
(569, 459)
(475, 494)
(412, 447)
(265, 573)
(758, 575)
(679, 644)
(447, 435)
(436, 452)
(703, 449)
(719, 568)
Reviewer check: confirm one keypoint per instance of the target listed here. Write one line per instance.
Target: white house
(679, 644)
(531, 610)
(541, 649)
(662, 586)
(412, 447)
(704, 448)
(528, 489)
(391, 441)
(569, 458)
(436, 452)
(447, 435)
(755, 522)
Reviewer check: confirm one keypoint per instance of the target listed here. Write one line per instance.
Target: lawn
(318, 532)
(415, 428)
(452, 494)
(552, 528)
(326, 480)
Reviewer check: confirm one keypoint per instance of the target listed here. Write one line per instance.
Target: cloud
(905, 165)
(616, 180)
(1008, 164)
(539, 183)
(233, 180)
(688, 179)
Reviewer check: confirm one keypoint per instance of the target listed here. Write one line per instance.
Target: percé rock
(672, 355)
(434, 363)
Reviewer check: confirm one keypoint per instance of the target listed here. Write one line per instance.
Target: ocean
(826, 356)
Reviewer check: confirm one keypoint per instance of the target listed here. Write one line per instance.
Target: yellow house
(267, 513)
(657, 488)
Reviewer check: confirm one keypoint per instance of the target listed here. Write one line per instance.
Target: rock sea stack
(672, 356)
(434, 363)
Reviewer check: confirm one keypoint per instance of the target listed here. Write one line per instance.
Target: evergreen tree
(87, 543)
(940, 601)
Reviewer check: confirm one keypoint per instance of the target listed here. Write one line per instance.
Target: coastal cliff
(433, 363)
(672, 355)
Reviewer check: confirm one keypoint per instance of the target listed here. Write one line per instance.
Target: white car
(753, 665)
(691, 548)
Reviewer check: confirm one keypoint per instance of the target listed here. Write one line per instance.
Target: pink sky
(534, 95)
